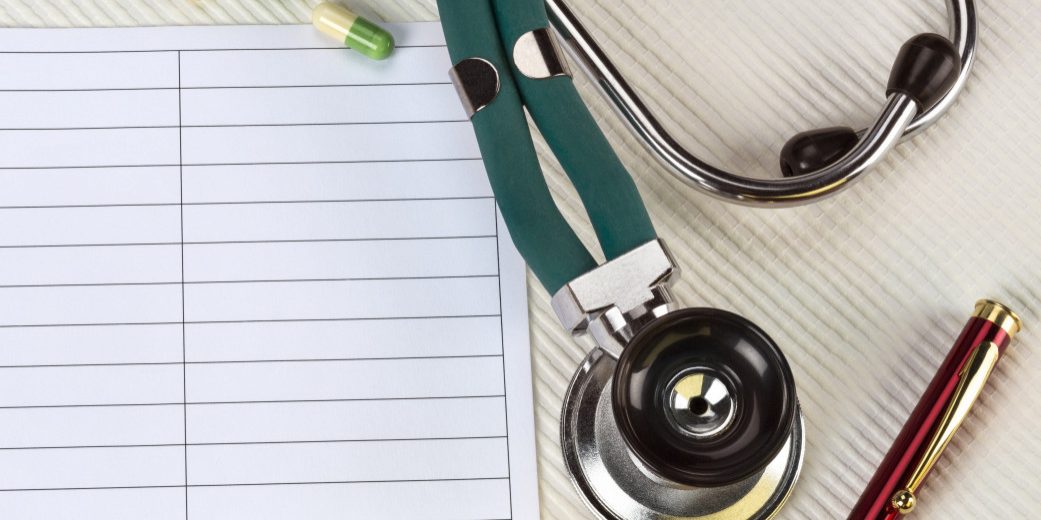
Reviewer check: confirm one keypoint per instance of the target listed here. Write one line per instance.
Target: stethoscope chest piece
(695, 418)
(618, 486)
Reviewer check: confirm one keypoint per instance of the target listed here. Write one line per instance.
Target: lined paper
(245, 273)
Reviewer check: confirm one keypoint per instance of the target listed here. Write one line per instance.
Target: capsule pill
(353, 30)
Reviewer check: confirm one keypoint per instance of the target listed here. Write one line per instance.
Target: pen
(893, 489)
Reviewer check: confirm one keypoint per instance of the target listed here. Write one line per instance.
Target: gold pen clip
(973, 377)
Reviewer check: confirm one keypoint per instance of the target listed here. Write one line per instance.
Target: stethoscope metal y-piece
(676, 413)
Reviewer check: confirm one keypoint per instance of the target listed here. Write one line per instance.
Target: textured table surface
(865, 291)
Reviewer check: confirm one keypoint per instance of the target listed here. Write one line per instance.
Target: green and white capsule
(354, 31)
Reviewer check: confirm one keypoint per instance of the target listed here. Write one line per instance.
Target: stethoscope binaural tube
(545, 240)
(742, 437)
(904, 115)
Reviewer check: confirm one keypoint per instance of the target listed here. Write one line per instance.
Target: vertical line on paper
(184, 337)
(502, 350)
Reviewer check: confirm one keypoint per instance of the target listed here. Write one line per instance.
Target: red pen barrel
(991, 323)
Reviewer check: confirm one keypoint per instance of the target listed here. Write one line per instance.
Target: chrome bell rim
(614, 484)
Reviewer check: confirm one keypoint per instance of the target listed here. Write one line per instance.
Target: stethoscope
(676, 413)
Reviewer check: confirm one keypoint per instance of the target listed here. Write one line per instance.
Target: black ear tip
(933, 41)
(926, 68)
(813, 150)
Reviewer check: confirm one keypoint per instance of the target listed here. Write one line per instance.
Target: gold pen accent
(974, 376)
(998, 314)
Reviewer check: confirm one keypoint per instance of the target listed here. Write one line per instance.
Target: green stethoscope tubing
(479, 29)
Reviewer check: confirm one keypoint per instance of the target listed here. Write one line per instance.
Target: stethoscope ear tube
(925, 71)
(545, 240)
(818, 171)
(615, 208)
(608, 192)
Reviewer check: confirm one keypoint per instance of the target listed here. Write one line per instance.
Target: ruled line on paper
(232, 203)
(265, 49)
(295, 441)
(241, 125)
(330, 85)
(241, 361)
(215, 403)
(263, 484)
(284, 320)
(284, 280)
(161, 165)
(229, 242)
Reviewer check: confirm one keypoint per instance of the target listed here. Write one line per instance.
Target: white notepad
(248, 274)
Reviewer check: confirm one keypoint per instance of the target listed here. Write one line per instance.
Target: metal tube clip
(537, 55)
(476, 81)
